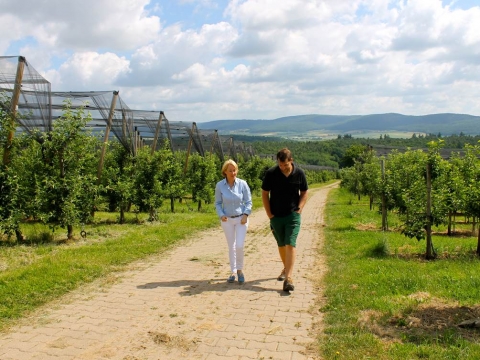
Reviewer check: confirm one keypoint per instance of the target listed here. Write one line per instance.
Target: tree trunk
(449, 231)
(478, 243)
(199, 205)
(19, 235)
(172, 204)
(69, 232)
(122, 215)
(152, 216)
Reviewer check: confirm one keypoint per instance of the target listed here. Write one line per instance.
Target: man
(284, 194)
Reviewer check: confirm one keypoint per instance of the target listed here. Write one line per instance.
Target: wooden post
(216, 140)
(13, 109)
(124, 126)
(430, 253)
(198, 143)
(137, 139)
(231, 148)
(384, 205)
(169, 134)
(190, 141)
(107, 134)
(157, 131)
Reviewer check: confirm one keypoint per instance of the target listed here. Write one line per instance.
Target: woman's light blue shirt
(233, 201)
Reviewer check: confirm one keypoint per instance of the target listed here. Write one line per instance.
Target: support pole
(124, 127)
(157, 131)
(13, 109)
(107, 134)
(384, 203)
(430, 253)
(190, 141)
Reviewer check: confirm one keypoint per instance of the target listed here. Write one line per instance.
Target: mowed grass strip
(384, 300)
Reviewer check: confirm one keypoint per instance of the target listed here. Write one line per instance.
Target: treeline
(61, 178)
(423, 188)
(335, 153)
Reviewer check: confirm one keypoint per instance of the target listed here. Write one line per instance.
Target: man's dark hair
(284, 155)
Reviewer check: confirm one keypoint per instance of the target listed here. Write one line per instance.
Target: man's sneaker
(288, 285)
(281, 277)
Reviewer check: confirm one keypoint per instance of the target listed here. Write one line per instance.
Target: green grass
(384, 300)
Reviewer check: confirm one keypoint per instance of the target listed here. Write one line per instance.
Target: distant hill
(312, 126)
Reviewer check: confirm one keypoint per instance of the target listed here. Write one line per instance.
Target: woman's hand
(244, 219)
(224, 218)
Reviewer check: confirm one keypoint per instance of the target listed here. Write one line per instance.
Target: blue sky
(202, 60)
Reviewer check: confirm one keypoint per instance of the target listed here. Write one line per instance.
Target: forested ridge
(446, 123)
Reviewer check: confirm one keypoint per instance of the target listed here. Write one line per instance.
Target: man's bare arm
(302, 201)
(266, 203)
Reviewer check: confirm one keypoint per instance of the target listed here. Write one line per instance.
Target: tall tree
(202, 176)
(66, 170)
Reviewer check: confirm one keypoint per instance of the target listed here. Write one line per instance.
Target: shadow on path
(193, 287)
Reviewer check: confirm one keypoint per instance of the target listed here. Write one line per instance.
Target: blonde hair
(225, 166)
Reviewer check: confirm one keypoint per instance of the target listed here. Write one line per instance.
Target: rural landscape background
(321, 127)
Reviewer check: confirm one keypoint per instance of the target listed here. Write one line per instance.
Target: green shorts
(285, 229)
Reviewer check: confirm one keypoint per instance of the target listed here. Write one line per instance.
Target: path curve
(179, 306)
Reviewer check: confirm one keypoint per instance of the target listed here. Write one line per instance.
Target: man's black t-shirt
(284, 191)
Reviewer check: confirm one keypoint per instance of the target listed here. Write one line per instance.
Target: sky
(204, 60)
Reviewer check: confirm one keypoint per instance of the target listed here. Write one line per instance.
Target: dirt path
(179, 305)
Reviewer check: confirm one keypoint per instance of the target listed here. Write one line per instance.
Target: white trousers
(235, 232)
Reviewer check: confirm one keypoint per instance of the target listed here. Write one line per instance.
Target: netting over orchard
(30, 96)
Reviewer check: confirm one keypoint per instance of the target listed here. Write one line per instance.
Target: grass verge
(384, 301)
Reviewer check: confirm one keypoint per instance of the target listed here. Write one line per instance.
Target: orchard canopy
(35, 106)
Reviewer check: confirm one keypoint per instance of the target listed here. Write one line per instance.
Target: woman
(233, 203)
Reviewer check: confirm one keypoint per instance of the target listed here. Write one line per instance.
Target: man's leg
(282, 252)
(281, 246)
(290, 254)
(292, 229)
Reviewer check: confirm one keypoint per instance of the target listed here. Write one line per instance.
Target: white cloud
(266, 59)
(84, 25)
(89, 71)
(174, 51)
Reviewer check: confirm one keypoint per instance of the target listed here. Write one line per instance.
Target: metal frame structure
(35, 107)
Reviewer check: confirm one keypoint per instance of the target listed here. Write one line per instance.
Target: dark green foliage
(149, 192)
(202, 176)
(64, 164)
(172, 175)
(117, 180)
(253, 172)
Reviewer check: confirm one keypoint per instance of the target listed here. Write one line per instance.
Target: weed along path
(179, 305)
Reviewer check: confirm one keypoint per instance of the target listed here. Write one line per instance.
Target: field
(384, 301)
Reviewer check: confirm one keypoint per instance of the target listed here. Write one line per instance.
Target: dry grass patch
(431, 318)
(170, 341)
